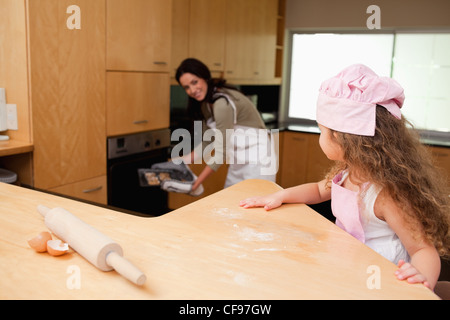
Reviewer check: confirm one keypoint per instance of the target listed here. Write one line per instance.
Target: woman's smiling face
(194, 86)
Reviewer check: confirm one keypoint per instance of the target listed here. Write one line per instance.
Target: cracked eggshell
(57, 247)
(39, 243)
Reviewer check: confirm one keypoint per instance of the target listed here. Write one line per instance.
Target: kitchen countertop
(210, 249)
(432, 138)
(12, 147)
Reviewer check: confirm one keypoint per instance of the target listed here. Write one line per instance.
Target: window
(421, 65)
(419, 62)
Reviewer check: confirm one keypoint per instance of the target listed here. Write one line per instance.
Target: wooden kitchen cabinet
(251, 39)
(207, 32)
(180, 33)
(93, 190)
(198, 31)
(236, 39)
(441, 157)
(136, 102)
(138, 35)
(301, 159)
(67, 91)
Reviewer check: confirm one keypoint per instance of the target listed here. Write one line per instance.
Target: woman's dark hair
(199, 69)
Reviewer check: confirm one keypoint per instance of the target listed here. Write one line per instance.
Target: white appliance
(3, 114)
(8, 115)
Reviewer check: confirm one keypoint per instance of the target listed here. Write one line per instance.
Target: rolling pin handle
(43, 210)
(125, 268)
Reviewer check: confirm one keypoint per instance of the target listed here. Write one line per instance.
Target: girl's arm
(425, 263)
(309, 193)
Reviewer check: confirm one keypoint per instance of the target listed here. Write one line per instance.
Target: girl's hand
(409, 273)
(268, 202)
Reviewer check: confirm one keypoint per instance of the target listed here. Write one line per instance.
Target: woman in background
(227, 110)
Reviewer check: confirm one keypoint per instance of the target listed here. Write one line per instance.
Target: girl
(222, 108)
(383, 187)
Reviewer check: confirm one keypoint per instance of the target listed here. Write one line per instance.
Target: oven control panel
(126, 145)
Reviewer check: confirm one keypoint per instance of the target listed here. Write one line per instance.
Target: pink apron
(345, 207)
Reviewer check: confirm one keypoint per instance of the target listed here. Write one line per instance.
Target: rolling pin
(90, 243)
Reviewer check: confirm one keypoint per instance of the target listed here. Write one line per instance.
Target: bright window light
(317, 57)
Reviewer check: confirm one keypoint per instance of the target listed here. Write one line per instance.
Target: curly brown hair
(397, 161)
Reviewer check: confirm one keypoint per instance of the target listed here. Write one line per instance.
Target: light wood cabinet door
(302, 159)
(441, 157)
(137, 102)
(180, 33)
(207, 32)
(293, 159)
(67, 83)
(138, 34)
(251, 39)
(93, 190)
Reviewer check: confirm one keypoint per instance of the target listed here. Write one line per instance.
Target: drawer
(94, 190)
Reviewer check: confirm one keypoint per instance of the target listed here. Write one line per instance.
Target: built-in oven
(127, 154)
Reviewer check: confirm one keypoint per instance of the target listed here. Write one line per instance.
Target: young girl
(383, 187)
(225, 109)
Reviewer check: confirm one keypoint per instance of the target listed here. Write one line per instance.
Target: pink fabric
(345, 207)
(347, 102)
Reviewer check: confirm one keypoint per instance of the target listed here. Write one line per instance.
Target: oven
(127, 154)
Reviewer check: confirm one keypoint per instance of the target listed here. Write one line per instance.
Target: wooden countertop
(210, 249)
(11, 147)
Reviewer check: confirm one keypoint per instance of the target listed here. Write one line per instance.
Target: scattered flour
(227, 213)
(250, 234)
(239, 277)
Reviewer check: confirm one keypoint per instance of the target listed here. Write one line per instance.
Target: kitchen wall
(396, 14)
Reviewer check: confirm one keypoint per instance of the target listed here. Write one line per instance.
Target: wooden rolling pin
(90, 243)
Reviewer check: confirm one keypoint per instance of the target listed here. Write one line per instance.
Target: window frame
(428, 136)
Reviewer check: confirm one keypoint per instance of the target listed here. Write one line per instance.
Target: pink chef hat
(347, 102)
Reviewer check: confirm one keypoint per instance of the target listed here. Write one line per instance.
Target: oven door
(124, 190)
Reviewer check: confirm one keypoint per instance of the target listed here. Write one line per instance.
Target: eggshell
(57, 247)
(39, 243)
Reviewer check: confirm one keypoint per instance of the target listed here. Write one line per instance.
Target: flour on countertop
(239, 277)
(250, 234)
(227, 213)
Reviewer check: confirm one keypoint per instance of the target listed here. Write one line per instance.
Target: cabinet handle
(217, 64)
(92, 190)
(140, 121)
(160, 63)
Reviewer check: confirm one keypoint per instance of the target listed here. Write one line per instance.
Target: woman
(245, 144)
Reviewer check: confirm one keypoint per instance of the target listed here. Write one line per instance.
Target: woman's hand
(268, 202)
(409, 273)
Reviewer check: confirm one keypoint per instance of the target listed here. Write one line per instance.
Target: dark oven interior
(127, 154)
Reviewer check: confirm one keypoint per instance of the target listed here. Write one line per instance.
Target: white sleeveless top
(356, 215)
(378, 234)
